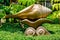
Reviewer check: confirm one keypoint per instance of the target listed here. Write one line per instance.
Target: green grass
(14, 31)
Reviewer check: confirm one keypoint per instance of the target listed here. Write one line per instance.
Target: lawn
(14, 31)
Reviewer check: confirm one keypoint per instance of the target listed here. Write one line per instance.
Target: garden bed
(14, 31)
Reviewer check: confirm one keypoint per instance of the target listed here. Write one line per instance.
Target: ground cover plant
(14, 31)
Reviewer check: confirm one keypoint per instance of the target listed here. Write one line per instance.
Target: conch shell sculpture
(33, 15)
(35, 11)
(36, 23)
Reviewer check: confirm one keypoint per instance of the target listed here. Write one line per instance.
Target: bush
(2, 13)
(1, 1)
(56, 6)
(54, 16)
(16, 8)
(26, 2)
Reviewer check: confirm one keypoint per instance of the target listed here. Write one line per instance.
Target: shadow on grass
(51, 32)
(12, 27)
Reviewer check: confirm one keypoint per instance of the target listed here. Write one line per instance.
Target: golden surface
(35, 11)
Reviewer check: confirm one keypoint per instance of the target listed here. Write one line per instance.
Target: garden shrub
(56, 6)
(1, 1)
(2, 13)
(56, 1)
(54, 16)
(26, 2)
(16, 8)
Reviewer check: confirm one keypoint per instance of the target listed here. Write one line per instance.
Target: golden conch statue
(33, 15)
(35, 11)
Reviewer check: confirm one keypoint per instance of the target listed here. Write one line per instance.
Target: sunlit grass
(14, 31)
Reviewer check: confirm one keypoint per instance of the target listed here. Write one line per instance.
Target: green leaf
(16, 8)
(2, 13)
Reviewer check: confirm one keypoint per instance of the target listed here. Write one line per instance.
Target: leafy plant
(7, 9)
(2, 13)
(2, 6)
(56, 6)
(16, 8)
(54, 16)
(26, 2)
(7, 2)
(1, 1)
(56, 1)
(42, 0)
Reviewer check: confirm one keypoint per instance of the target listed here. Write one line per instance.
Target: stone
(30, 31)
(41, 31)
